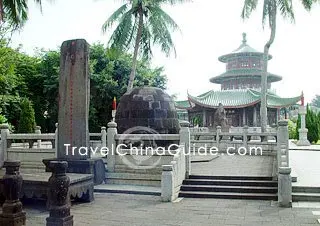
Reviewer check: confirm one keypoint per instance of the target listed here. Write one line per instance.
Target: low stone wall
(172, 177)
(31, 158)
(31, 149)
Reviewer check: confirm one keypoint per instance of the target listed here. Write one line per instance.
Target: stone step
(133, 179)
(237, 189)
(228, 195)
(207, 177)
(133, 176)
(143, 170)
(259, 183)
(153, 183)
(128, 189)
(305, 189)
(302, 196)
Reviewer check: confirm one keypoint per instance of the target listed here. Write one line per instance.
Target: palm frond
(266, 11)
(307, 4)
(160, 27)
(16, 11)
(171, 2)
(122, 36)
(145, 43)
(116, 16)
(248, 7)
(286, 9)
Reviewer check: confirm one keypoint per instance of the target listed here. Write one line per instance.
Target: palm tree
(15, 11)
(142, 23)
(270, 8)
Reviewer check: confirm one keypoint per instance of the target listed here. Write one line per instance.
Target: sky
(209, 29)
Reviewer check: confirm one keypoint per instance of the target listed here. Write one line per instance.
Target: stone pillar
(167, 183)
(38, 131)
(103, 137)
(283, 144)
(245, 137)
(218, 136)
(74, 96)
(4, 143)
(12, 214)
(56, 139)
(204, 118)
(285, 187)
(111, 158)
(185, 139)
(244, 117)
(58, 196)
(255, 116)
(303, 131)
(74, 86)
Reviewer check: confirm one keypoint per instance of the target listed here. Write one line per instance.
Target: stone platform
(35, 185)
(235, 165)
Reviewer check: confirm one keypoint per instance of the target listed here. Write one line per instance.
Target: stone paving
(122, 209)
(305, 165)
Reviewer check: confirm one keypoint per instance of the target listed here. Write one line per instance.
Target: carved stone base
(89, 166)
(67, 221)
(17, 219)
(303, 138)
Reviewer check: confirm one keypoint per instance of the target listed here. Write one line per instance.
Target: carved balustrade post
(58, 195)
(12, 214)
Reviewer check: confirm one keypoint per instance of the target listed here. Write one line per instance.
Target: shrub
(2, 119)
(312, 124)
(292, 129)
(27, 119)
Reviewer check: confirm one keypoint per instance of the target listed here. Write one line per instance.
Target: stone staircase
(125, 175)
(229, 187)
(303, 193)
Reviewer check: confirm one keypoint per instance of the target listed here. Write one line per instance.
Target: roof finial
(244, 38)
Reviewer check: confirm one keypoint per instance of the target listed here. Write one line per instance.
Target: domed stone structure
(148, 107)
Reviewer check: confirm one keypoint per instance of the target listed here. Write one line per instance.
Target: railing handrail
(42, 136)
(233, 133)
(31, 136)
(147, 136)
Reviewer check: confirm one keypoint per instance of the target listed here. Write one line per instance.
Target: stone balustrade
(234, 140)
(16, 146)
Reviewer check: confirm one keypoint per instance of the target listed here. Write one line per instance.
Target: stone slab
(95, 167)
(74, 97)
(35, 185)
(143, 210)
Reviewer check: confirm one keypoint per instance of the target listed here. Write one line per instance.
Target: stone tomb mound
(147, 110)
(144, 110)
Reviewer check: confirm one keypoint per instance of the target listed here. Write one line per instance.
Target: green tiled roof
(243, 49)
(182, 104)
(241, 73)
(236, 99)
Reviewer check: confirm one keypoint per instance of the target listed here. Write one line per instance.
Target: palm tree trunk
(1, 11)
(136, 49)
(264, 79)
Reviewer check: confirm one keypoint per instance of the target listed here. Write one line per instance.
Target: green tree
(312, 125)
(27, 120)
(110, 70)
(142, 23)
(270, 8)
(316, 101)
(292, 129)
